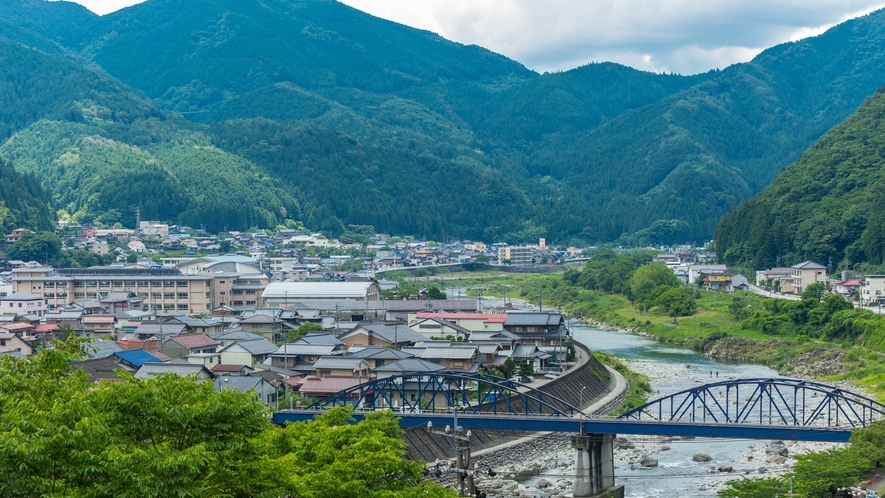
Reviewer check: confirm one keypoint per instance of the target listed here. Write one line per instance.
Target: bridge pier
(595, 466)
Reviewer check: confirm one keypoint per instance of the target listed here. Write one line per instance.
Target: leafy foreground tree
(815, 472)
(61, 435)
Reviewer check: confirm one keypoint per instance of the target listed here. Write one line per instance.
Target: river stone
(726, 468)
(542, 483)
(623, 443)
(701, 457)
(648, 461)
(777, 449)
(663, 447)
(776, 459)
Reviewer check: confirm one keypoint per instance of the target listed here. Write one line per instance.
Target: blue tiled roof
(137, 357)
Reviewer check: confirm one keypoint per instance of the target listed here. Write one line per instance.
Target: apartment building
(165, 291)
(517, 255)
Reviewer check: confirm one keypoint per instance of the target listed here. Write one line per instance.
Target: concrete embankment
(588, 372)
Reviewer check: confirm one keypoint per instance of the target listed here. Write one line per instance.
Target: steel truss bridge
(762, 408)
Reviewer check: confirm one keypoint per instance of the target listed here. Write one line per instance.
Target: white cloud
(684, 36)
(103, 7)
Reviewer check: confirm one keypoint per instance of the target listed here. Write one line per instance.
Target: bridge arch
(472, 393)
(764, 401)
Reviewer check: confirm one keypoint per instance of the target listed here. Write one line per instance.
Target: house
(848, 288)
(406, 366)
(23, 303)
(137, 246)
(438, 327)
(292, 354)
(199, 325)
(717, 279)
(265, 391)
(532, 354)
(376, 356)
(117, 302)
(146, 330)
(208, 359)
(380, 334)
(461, 357)
(11, 342)
(474, 322)
(235, 335)
(247, 352)
(182, 345)
(99, 325)
(222, 369)
(321, 387)
(341, 366)
(153, 370)
(807, 273)
(268, 326)
(542, 329)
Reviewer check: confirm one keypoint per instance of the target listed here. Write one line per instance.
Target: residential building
(180, 346)
(153, 370)
(23, 303)
(807, 273)
(541, 329)
(163, 290)
(515, 255)
(247, 352)
(380, 334)
(872, 290)
(265, 391)
(12, 342)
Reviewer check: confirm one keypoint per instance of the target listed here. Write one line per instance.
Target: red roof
(850, 283)
(16, 326)
(194, 340)
(490, 318)
(46, 327)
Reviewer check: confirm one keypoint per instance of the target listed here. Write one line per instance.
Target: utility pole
(461, 444)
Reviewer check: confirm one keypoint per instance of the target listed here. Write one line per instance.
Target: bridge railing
(764, 401)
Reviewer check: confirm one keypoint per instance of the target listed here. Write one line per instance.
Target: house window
(104, 284)
(117, 285)
(156, 307)
(250, 303)
(48, 285)
(156, 295)
(168, 295)
(130, 285)
(181, 283)
(168, 283)
(182, 307)
(50, 295)
(91, 284)
(238, 303)
(156, 283)
(79, 295)
(168, 306)
(142, 283)
(182, 295)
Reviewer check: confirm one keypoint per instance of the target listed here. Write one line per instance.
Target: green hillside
(99, 178)
(417, 134)
(830, 203)
(23, 203)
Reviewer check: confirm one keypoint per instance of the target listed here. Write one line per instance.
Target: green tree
(303, 329)
(650, 281)
(482, 259)
(814, 291)
(435, 292)
(525, 368)
(508, 367)
(42, 246)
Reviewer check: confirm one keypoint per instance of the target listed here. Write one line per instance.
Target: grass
(639, 385)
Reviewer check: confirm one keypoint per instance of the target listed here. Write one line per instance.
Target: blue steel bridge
(762, 408)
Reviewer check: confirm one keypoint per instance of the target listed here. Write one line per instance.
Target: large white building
(283, 294)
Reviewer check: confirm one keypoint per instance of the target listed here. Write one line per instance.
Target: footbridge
(764, 408)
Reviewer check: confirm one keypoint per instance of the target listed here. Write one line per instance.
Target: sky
(681, 36)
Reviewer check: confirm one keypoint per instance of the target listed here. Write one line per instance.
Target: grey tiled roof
(410, 365)
(532, 319)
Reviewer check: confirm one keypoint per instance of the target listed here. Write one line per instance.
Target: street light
(581, 408)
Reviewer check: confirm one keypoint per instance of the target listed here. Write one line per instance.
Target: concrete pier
(595, 466)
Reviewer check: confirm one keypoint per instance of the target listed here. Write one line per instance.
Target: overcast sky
(682, 36)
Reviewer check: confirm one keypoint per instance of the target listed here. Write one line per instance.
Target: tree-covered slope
(99, 176)
(695, 154)
(35, 85)
(23, 202)
(829, 203)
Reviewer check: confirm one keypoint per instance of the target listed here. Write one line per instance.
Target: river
(672, 369)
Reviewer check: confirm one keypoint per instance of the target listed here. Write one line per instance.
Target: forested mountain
(358, 120)
(23, 203)
(829, 203)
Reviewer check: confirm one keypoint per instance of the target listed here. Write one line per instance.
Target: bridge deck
(609, 426)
